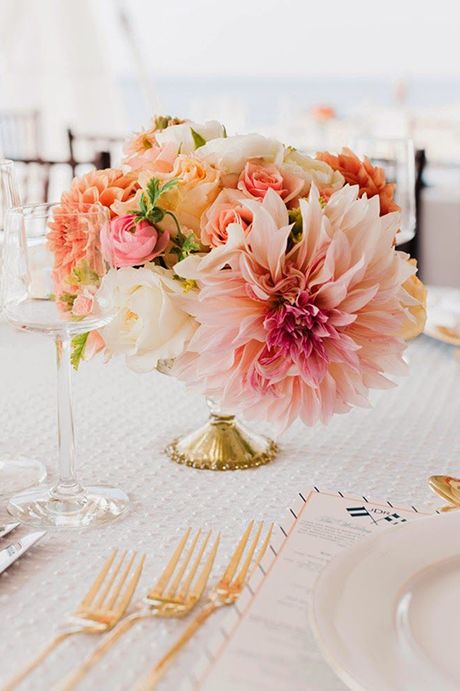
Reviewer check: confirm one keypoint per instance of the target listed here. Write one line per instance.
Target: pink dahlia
(300, 329)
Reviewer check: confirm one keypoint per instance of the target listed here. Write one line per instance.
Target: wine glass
(53, 267)
(397, 158)
(15, 473)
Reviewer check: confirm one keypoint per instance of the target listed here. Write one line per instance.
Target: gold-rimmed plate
(384, 612)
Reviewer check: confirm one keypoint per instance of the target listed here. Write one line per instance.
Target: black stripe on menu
(293, 513)
(302, 497)
(283, 531)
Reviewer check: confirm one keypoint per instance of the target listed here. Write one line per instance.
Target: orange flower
(371, 179)
(416, 306)
(103, 186)
(65, 239)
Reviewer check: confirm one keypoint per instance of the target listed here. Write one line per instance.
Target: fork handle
(72, 679)
(37, 660)
(152, 678)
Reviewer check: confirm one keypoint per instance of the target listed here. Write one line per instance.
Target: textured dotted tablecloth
(123, 423)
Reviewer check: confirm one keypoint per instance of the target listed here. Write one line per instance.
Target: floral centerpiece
(267, 279)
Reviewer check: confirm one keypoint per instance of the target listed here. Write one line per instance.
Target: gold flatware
(449, 335)
(224, 593)
(174, 595)
(446, 487)
(102, 607)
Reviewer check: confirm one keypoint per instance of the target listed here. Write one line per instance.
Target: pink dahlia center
(296, 329)
(299, 342)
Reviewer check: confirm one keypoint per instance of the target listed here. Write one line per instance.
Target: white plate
(443, 310)
(387, 612)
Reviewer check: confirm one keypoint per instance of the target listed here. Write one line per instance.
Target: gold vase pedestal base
(222, 444)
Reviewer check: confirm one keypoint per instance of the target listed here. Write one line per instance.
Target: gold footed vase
(222, 444)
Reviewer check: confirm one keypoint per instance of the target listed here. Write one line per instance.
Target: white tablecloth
(123, 423)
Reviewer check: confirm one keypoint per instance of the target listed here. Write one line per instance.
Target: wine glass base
(95, 506)
(19, 474)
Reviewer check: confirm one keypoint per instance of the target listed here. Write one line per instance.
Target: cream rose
(230, 154)
(182, 135)
(151, 323)
(312, 170)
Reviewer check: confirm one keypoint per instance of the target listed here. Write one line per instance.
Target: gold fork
(224, 593)
(175, 594)
(102, 607)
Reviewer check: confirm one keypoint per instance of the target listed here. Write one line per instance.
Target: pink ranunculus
(83, 304)
(127, 243)
(256, 178)
(228, 208)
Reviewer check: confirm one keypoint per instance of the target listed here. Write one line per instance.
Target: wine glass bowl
(45, 277)
(397, 158)
(53, 270)
(17, 472)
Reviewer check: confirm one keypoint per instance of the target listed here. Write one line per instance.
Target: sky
(393, 39)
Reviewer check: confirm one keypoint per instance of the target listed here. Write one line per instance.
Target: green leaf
(78, 349)
(83, 275)
(153, 190)
(189, 245)
(68, 299)
(225, 131)
(198, 140)
(295, 217)
(168, 185)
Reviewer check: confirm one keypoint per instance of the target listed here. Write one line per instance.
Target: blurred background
(77, 76)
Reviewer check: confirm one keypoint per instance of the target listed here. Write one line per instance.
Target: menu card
(265, 642)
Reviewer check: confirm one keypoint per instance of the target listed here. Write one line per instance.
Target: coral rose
(127, 243)
(369, 178)
(228, 208)
(256, 178)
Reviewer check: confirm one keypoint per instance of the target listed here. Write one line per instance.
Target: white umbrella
(61, 57)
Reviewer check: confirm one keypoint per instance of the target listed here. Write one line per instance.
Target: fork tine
(181, 570)
(263, 549)
(162, 582)
(239, 580)
(98, 581)
(117, 590)
(112, 578)
(131, 587)
(236, 557)
(191, 575)
(200, 585)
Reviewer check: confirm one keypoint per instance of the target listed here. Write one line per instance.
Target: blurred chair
(41, 180)
(106, 150)
(20, 134)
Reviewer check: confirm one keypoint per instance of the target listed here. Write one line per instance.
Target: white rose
(312, 170)
(150, 324)
(183, 137)
(231, 154)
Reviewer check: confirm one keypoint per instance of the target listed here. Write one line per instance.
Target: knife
(15, 550)
(7, 528)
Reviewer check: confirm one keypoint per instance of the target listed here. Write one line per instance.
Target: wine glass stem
(67, 484)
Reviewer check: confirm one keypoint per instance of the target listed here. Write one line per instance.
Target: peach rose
(226, 209)
(416, 306)
(256, 178)
(199, 185)
(127, 243)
